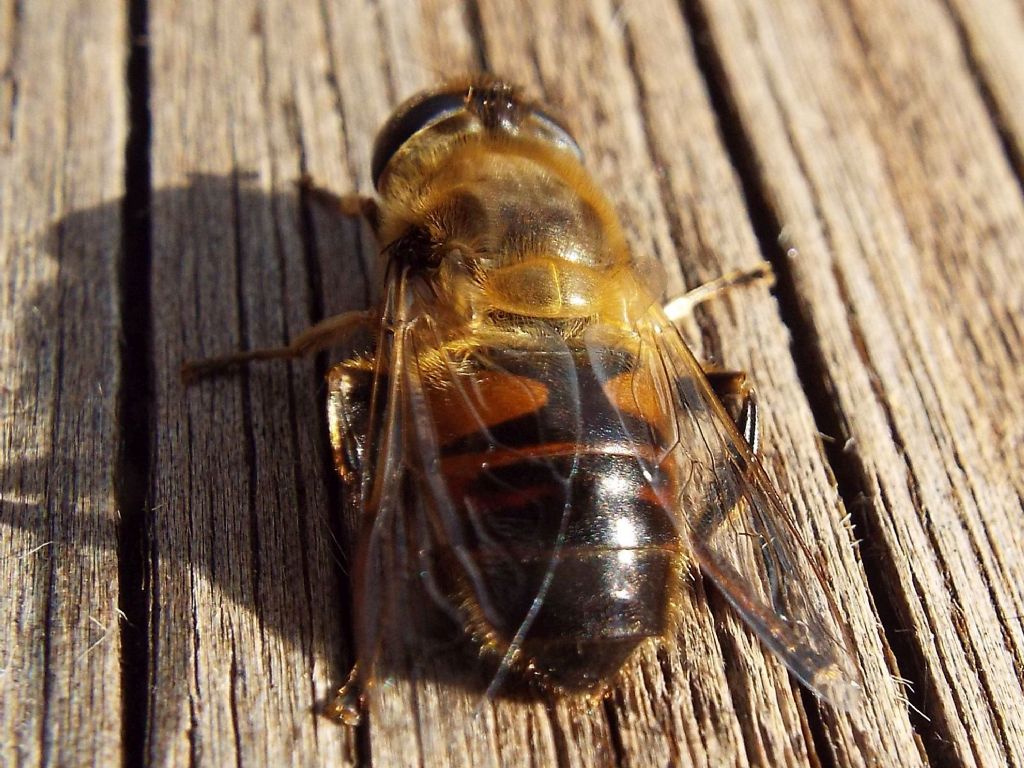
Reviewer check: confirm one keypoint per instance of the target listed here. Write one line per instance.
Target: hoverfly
(529, 435)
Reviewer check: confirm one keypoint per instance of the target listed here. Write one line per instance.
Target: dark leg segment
(333, 331)
(349, 389)
(736, 394)
(732, 387)
(356, 206)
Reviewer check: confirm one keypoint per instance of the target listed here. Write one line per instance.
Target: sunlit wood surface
(174, 562)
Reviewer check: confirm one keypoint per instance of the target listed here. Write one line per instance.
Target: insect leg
(733, 386)
(349, 389)
(733, 389)
(330, 332)
(354, 205)
(681, 306)
(347, 706)
(349, 393)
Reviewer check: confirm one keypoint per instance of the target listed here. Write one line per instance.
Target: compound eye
(555, 132)
(410, 118)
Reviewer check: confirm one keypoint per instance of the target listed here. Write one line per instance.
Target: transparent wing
(382, 555)
(741, 534)
(468, 482)
(488, 446)
(497, 428)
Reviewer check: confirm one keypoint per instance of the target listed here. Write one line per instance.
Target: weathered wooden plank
(605, 104)
(870, 146)
(247, 613)
(992, 35)
(903, 221)
(62, 136)
(392, 52)
(427, 721)
(253, 95)
(644, 115)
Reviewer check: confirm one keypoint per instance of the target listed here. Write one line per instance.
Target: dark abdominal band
(579, 525)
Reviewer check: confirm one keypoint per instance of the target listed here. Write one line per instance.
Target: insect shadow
(227, 484)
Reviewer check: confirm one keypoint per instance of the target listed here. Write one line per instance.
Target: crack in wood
(475, 24)
(135, 399)
(339, 110)
(1000, 121)
(137, 561)
(9, 75)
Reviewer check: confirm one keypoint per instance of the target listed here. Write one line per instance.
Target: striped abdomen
(558, 494)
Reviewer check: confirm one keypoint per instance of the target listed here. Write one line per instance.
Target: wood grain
(871, 151)
(63, 127)
(903, 240)
(247, 610)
